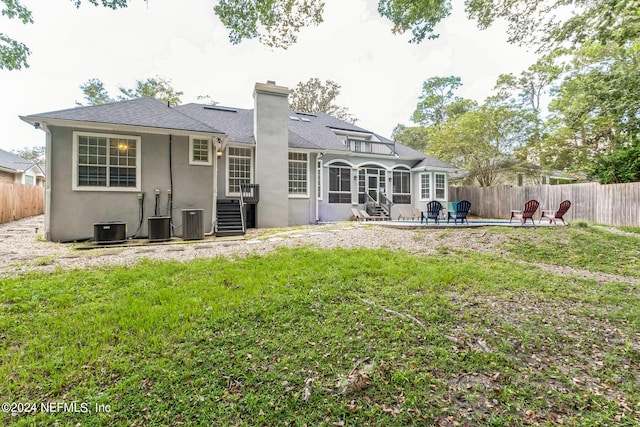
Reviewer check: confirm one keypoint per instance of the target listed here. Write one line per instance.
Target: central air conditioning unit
(159, 228)
(192, 225)
(109, 232)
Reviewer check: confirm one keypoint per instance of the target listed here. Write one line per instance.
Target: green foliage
(315, 96)
(153, 87)
(416, 137)
(419, 16)
(620, 165)
(35, 153)
(159, 88)
(95, 93)
(437, 94)
(275, 22)
(14, 54)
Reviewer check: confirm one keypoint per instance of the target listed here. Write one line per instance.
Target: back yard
(494, 326)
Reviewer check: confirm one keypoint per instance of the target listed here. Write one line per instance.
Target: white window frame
(304, 195)
(74, 173)
(251, 163)
(319, 179)
(393, 182)
(346, 167)
(422, 198)
(194, 162)
(435, 185)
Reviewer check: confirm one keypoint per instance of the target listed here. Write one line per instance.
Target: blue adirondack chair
(459, 212)
(433, 212)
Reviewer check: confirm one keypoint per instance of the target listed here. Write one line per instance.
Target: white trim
(251, 162)
(299, 195)
(430, 175)
(435, 190)
(379, 165)
(113, 127)
(403, 167)
(74, 165)
(209, 151)
(319, 176)
(331, 162)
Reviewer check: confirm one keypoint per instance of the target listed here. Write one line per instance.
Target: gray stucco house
(131, 160)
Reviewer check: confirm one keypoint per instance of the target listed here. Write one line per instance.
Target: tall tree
(154, 87)
(274, 22)
(481, 141)
(437, 95)
(14, 54)
(35, 153)
(315, 96)
(416, 137)
(94, 92)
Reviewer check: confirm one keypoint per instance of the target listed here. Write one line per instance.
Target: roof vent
(304, 119)
(271, 82)
(219, 108)
(294, 118)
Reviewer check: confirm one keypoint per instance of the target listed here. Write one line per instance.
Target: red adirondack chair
(552, 216)
(530, 208)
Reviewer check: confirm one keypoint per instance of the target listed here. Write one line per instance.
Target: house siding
(7, 177)
(75, 212)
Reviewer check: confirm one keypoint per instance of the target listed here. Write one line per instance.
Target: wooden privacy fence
(611, 204)
(20, 201)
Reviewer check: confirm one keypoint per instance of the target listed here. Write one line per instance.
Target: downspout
(48, 179)
(214, 168)
(170, 195)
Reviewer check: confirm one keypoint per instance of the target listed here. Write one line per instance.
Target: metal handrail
(244, 227)
(385, 202)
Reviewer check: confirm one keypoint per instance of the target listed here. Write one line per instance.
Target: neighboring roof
(145, 112)
(13, 162)
(431, 162)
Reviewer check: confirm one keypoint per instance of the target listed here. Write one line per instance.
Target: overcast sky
(381, 74)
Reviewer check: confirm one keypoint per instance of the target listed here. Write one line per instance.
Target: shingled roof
(143, 112)
(307, 131)
(13, 162)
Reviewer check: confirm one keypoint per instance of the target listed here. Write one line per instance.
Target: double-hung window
(425, 186)
(440, 186)
(106, 162)
(339, 183)
(199, 151)
(401, 187)
(298, 174)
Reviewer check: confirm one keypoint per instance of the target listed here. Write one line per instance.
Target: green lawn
(335, 337)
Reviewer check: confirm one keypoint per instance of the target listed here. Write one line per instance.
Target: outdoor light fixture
(219, 148)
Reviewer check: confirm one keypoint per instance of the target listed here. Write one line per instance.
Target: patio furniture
(552, 216)
(356, 214)
(405, 215)
(523, 215)
(459, 212)
(433, 211)
(416, 213)
(368, 217)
